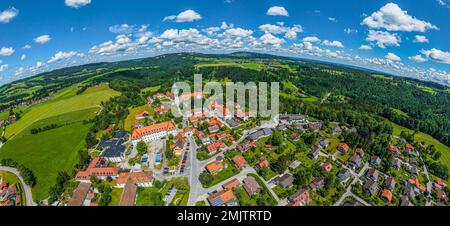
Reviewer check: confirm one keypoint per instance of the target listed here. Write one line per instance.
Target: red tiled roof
(165, 126)
(239, 161)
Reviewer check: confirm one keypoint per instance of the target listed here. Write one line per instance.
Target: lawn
(129, 121)
(226, 173)
(116, 194)
(47, 153)
(149, 197)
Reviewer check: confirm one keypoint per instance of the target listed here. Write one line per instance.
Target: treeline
(43, 129)
(25, 172)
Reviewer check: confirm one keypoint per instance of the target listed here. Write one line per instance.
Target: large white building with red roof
(153, 132)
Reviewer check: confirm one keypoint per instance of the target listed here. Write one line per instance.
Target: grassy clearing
(151, 89)
(399, 112)
(426, 89)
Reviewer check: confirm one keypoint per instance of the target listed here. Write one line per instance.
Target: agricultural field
(129, 121)
(48, 152)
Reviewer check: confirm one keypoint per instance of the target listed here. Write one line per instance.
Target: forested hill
(414, 104)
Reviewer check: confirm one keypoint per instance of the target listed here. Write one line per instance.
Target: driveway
(26, 188)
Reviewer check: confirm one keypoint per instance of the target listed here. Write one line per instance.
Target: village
(220, 158)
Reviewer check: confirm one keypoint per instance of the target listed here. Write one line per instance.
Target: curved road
(26, 188)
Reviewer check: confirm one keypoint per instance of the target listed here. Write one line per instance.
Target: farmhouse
(153, 132)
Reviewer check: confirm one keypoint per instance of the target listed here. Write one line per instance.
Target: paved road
(349, 188)
(194, 174)
(26, 188)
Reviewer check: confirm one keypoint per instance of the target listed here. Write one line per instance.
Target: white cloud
(311, 39)
(383, 38)
(393, 57)
(237, 32)
(269, 39)
(26, 46)
(122, 29)
(420, 39)
(23, 57)
(290, 32)
(186, 16)
(63, 55)
(3, 67)
(349, 30)
(9, 14)
(392, 18)
(277, 11)
(77, 3)
(418, 58)
(6, 51)
(39, 64)
(437, 55)
(332, 19)
(365, 47)
(42, 39)
(333, 43)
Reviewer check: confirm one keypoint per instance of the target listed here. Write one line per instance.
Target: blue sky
(404, 37)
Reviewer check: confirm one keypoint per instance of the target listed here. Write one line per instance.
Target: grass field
(150, 89)
(63, 102)
(55, 150)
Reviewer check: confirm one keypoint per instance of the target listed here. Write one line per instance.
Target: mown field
(54, 150)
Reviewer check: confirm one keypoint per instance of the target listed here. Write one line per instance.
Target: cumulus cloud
(42, 39)
(23, 57)
(6, 51)
(393, 57)
(77, 3)
(383, 38)
(418, 58)
(333, 43)
(277, 11)
(349, 30)
(269, 39)
(122, 44)
(437, 55)
(392, 18)
(289, 32)
(8, 15)
(63, 55)
(26, 46)
(311, 39)
(420, 39)
(365, 47)
(186, 16)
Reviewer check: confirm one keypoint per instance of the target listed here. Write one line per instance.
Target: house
(153, 132)
(215, 147)
(372, 174)
(231, 184)
(232, 124)
(390, 183)
(142, 115)
(222, 198)
(263, 162)
(286, 180)
(360, 152)
(375, 160)
(354, 161)
(413, 171)
(79, 195)
(386, 195)
(260, 134)
(300, 197)
(215, 166)
(371, 187)
(394, 151)
(247, 145)
(336, 130)
(141, 179)
(239, 161)
(344, 175)
(291, 118)
(324, 143)
(440, 194)
(396, 163)
(343, 148)
(414, 182)
(413, 162)
(315, 126)
(251, 186)
(314, 153)
(281, 127)
(294, 165)
(327, 166)
(439, 184)
(98, 168)
(317, 184)
(213, 129)
(409, 148)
